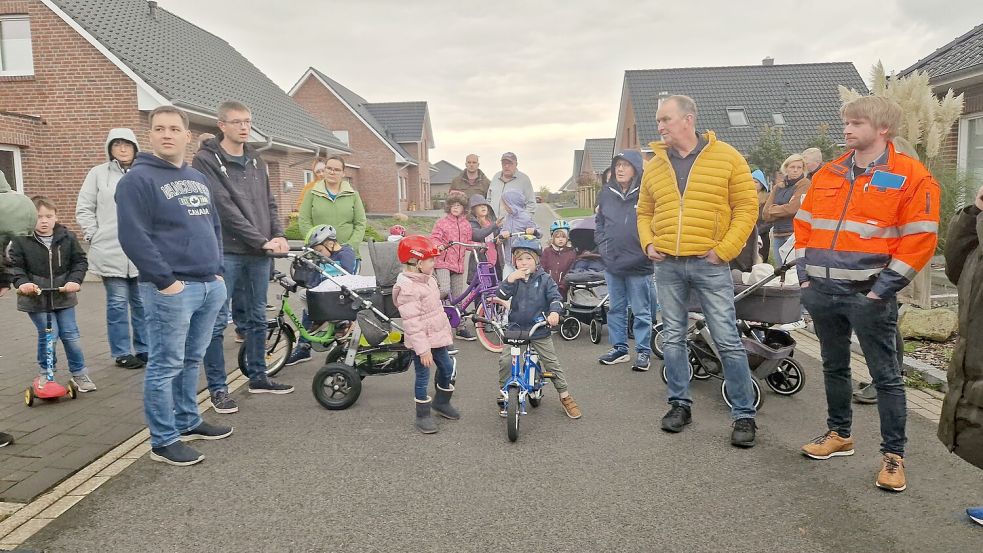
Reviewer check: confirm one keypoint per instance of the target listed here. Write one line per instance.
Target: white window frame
(402, 188)
(747, 121)
(20, 73)
(962, 150)
(18, 180)
(308, 176)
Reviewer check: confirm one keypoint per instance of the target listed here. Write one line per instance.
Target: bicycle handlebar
(500, 328)
(469, 245)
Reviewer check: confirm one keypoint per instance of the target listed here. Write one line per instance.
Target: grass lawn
(571, 212)
(378, 227)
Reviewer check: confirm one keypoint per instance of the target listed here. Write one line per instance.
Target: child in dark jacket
(533, 295)
(51, 257)
(558, 256)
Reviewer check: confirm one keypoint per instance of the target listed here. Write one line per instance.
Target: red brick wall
(376, 180)
(22, 131)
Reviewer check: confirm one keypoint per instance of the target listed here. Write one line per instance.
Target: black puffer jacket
(32, 261)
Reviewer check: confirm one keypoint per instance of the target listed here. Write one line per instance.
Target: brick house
(390, 141)
(959, 66)
(75, 69)
(738, 102)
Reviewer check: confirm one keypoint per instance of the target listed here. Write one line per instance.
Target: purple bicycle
(477, 301)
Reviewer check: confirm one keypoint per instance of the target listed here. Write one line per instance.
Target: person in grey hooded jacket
(95, 212)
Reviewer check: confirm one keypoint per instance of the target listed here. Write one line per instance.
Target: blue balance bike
(527, 378)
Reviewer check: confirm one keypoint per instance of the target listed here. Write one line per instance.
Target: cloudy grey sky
(537, 77)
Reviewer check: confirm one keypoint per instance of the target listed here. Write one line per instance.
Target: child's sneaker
(463, 333)
(300, 354)
(975, 513)
(570, 406)
(84, 383)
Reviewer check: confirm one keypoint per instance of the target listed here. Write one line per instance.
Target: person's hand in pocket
(176, 288)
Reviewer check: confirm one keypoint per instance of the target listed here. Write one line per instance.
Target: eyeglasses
(239, 122)
(333, 170)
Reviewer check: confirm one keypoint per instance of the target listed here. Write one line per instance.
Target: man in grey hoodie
(95, 212)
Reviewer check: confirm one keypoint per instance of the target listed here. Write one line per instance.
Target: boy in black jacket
(533, 294)
(51, 257)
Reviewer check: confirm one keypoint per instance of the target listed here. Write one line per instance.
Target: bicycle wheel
(512, 414)
(488, 338)
(336, 386)
(280, 341)
(570, 328)
(788, 379)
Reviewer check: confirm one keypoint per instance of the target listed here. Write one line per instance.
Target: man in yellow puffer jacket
(697, 207)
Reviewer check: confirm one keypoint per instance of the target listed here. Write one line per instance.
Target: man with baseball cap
(508, 178)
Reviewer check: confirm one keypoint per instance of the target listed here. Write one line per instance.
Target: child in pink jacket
(451, 266)
(426, 329)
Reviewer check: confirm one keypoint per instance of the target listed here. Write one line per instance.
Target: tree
(768, 154)
(825, 144)
(544, 193)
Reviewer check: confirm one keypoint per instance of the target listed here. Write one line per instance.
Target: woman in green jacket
(334, 202)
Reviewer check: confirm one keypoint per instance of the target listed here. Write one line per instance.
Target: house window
(777, 118)
(11, 167)
(737, 117)
(402, 188)
(971, 147)
(308, 176)
(16, 57)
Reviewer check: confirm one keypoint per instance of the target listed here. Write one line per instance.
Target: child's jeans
(445, 370)
(547, 360)
(62, 326)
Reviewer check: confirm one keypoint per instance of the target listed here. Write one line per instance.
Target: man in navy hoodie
(172, 234)
(628, 271)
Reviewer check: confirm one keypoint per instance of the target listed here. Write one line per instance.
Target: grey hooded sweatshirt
(96, 213)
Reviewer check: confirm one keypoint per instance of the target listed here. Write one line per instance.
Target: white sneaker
(84, 383)
(797, 325)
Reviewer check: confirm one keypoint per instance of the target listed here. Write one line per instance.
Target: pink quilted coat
(418, 299)
(449, 229)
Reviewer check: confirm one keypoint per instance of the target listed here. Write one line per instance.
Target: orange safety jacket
(852, 236)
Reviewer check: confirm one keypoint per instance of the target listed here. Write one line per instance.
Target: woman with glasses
(332, 201)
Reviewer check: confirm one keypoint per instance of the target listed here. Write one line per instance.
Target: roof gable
(600, 151)
(963, 53)
(193, 68)
(445, 172)
(806, 96)
(407, 121)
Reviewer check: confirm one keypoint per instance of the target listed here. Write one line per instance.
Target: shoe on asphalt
(442, 404)
(891, 477)
(642, 362)
(867, 395)
(5, 439)
(797, 325)
(677, 417)
(614, 355)
(176, 454)
(424, 420)
(828, 445)
(570, 407)
(129, 362)
(464, 334)
(975, 513)
(143, 357)
(300, 354)
(451, 350)
(269, 386)
(84, 383)
(240, 338)
(743, 433)
(206, 431)
(223, 403)
(270, 307)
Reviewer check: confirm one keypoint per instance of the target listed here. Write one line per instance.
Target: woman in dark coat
(961, 424)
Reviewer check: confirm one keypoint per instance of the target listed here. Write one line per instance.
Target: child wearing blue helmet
(534, 295)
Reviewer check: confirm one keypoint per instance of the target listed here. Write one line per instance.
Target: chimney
(768, 61)
(153, 8)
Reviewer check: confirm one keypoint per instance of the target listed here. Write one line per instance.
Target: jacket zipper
(679, 226)
(836, 233)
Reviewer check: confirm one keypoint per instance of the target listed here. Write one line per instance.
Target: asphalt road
(295, 477)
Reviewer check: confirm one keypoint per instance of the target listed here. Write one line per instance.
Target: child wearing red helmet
(426, 329)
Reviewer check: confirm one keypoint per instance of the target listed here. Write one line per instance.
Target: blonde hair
(813, 154)
(792, 159)
(882, 113)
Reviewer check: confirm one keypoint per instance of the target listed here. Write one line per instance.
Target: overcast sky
(537, 77)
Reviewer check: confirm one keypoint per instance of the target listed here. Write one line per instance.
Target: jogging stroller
(587, 291)
(769, 350)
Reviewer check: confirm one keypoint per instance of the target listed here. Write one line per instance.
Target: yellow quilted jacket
(717, 210)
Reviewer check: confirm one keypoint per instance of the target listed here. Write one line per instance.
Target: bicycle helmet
(416, 247)
(319, 234)
(559, 224)
(532, 245)
(397, 230)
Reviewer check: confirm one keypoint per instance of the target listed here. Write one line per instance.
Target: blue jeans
(179, 327)
(63, 326)
(776, 244)
(635, 291)
(124, 307)
(714, 287)
(875, 324)
(247, 279)
(445, 370)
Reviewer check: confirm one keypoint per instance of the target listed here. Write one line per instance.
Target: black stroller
(587, 291)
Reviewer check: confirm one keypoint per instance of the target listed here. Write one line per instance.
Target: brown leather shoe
(570, 406)
(828, 445)
(891, 477)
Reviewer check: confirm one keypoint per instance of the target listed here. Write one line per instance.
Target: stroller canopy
(582, 234)
(385, 263)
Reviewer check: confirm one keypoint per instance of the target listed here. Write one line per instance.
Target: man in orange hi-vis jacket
(867, 225)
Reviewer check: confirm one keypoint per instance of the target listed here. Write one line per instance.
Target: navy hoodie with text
(168, 226)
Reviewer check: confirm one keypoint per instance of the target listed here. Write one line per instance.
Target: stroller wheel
(657, 340)
(570, 328)
(665, 371)
(787, 379)
(336, 386)
(631, 325)
(595, 331)
(699, 371)
(755, 391)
